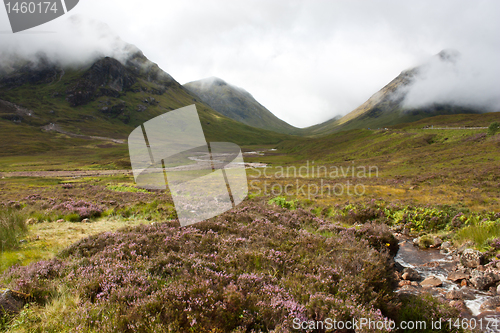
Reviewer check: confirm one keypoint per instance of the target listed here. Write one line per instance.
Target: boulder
(410, 274)
(471, 258)
(490, 304)
(454, 294)
(11, 302)
(457, 276)
(483, 280)
(431, 281)
(403, 283)
(467, 293)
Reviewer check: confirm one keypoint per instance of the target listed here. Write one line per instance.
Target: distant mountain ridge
(238, 104)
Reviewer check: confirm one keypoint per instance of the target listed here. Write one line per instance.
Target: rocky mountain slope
(105, 98)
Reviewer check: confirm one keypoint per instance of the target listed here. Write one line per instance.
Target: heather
(254, 268)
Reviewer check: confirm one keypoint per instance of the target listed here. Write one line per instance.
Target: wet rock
(446, 246)
(454, 294)
(457, 276)
(410, 274)
(467, 293)
(11, 302)
(431, 281)
(398, 267)
(483, 280)
(490, 304)
(409, 289)
(471, 258)
(403, 283)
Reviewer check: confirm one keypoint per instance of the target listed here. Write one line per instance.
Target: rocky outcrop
(106, 77)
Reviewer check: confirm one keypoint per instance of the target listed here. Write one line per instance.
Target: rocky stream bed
(460, 277)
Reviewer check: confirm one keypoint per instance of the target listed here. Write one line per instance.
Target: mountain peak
(209, 82)
(448, 55)
(236, 103)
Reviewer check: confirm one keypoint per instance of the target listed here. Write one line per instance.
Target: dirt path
(56, 174)
(57, 128)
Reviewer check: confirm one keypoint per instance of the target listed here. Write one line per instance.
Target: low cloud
(78, 41)
(467, 78)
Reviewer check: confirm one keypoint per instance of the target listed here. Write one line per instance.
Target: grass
(480, 235)
(12, 227)
(124, 188)
(44, 240)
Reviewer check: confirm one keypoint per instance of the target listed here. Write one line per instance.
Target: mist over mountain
(436, 87)
(78, 42)
(456, 78)
(236, 103)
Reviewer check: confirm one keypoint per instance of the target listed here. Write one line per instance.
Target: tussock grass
(12, 226)
(479, 233)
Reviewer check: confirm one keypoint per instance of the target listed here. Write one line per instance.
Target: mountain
(236, 103)
(386, 107)
(40, 100)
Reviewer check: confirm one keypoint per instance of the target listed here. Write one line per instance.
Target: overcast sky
(306, 61)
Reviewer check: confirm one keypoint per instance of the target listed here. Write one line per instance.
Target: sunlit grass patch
(126, 188)
(45, 239)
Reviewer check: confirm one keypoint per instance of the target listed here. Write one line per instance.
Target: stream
(431, 262)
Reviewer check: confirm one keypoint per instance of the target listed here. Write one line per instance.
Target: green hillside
(237, 104)
(47, 108)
